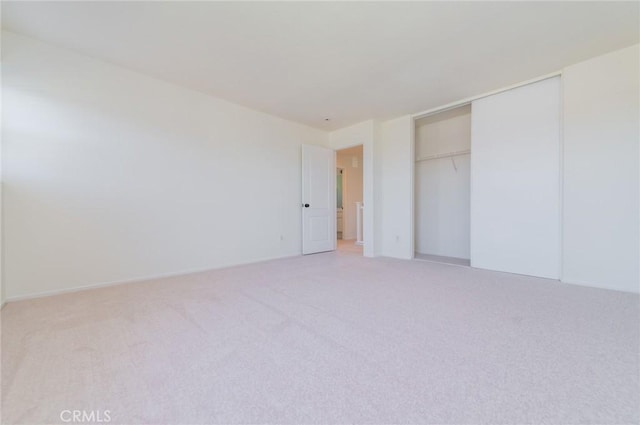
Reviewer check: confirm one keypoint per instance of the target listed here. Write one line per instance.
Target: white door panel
(318, 199)
(515, 180)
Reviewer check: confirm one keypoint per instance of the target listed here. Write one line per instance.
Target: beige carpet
(328, 338)
(349, 245)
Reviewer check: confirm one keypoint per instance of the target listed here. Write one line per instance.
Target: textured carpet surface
(328, 338)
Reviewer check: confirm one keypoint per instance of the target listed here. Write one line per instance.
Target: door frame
(367, 246)
(364, 134)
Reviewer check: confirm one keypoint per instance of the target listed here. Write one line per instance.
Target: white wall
(351, 188)
(443, 184)
(363, 134)
(601, 137)
(110, 175)
(394, 147)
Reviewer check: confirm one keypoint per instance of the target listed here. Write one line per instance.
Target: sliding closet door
(515, 180)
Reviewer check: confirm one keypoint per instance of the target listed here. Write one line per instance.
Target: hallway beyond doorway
(349, 246)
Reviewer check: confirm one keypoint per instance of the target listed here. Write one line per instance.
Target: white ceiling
(347, 61)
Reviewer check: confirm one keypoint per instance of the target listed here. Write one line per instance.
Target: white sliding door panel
(318, 199)
(515, 180)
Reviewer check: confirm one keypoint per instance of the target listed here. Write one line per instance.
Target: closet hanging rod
(444, 155)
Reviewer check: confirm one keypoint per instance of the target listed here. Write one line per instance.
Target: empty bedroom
(320, 212)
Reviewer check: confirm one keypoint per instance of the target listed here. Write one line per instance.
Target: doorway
(349, 199)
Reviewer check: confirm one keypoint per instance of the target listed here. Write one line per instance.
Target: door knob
(306, 205)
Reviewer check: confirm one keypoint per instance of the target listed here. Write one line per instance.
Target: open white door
(318, 199)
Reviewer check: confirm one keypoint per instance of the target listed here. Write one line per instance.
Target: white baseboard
(139, 279)
(595, 285)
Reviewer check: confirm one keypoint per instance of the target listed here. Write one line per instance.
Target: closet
(488, 182)
(443, 142)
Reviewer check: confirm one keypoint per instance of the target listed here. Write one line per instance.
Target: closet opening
(442, 186)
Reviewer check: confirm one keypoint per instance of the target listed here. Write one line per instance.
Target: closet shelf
(444, 155)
